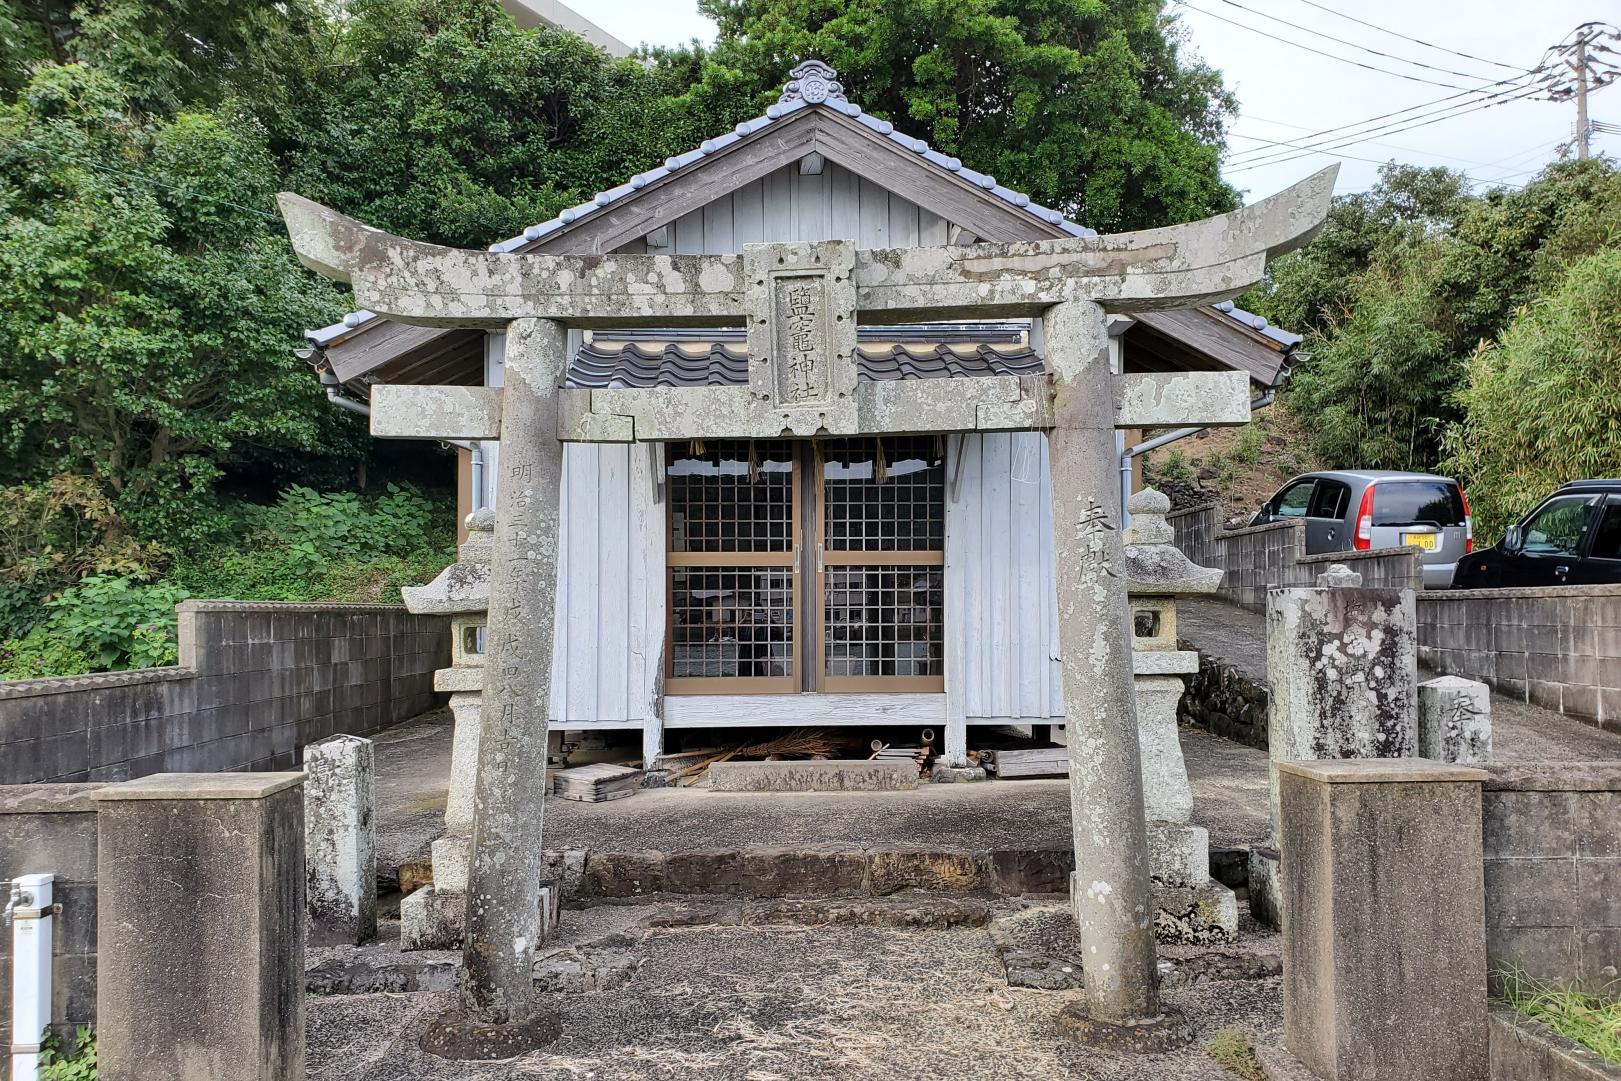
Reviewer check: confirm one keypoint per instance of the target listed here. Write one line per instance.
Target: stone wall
(255, 683)
(51, 829)
(1558, 647)
(1259, 558)
(1227, 701)
(1553, 872)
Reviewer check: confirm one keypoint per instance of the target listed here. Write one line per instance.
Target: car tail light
(1362, 539)
(1468, 524)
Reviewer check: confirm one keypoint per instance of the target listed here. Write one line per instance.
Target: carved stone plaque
(802, 334)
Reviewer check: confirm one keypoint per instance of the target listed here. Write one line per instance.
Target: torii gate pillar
(1110, 891)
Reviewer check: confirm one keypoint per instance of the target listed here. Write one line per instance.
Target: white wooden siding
(610, 586)
(1001, 580)
(834, 204)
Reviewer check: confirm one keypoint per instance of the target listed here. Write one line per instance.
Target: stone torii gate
(801, 303)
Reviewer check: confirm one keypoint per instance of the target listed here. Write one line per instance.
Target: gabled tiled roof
(1259, 324)
(812, 85)
(724, 362)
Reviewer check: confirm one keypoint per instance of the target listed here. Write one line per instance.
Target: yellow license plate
(1426, 541)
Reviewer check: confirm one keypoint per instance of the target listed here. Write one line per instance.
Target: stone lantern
(432, 917)
(1192, 907)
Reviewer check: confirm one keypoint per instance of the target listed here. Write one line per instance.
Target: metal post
(29, 912)
(1110, 891)
(500, 1015)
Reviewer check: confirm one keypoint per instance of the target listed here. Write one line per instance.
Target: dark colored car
(1357, 509)
(1573, 538)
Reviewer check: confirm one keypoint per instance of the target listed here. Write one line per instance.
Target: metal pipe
(1165, 440)
(335, 395)
(29, 912)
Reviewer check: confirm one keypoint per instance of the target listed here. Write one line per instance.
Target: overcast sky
(1288, 94)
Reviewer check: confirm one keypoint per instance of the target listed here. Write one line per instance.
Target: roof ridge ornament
(812, 82)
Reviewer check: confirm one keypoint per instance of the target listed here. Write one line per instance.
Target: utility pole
(1583, 132)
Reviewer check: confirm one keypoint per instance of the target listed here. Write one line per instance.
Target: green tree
(441, 120)
(150, 303)
(1092, 108)
(167, 54)
(1543, 405)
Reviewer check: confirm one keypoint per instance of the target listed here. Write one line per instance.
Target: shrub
(76, 1062)
(1543, 406)
(103, 624)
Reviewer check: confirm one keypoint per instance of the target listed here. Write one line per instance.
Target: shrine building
(874, 580)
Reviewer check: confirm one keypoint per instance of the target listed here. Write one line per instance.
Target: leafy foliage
(111, 623)
(72, 1063)
(1401, 289)
(440, 119)
(151, 303)
(1092, 108)
(1543, 404)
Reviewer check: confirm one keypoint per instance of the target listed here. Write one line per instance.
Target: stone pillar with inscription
(501, 1016)
(1110, 890)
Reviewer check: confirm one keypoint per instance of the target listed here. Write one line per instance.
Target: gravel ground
(786, 1003)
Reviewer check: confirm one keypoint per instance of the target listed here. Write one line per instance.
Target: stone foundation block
(1019, 871)
(922, 869)
(1384, 947)
(1195, 915)
(452, 856)
(200, 917)
(1187, 915)
(945, 773)
(623, 874)
(878, 775)
(1178, 855)
(433, 919)
(821, 871)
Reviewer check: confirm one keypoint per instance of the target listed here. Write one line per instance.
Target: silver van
(1359, 509)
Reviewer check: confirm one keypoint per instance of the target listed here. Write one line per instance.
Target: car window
(1330, 500)
(1293, 500)
(1557, 528)
(1417, 502)
(1607, 537)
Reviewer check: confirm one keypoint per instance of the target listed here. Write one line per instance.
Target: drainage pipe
(29, 912)
(335, 395)
(1165, 440)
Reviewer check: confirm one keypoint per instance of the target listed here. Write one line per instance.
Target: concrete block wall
(1259, 558)
(1552, 851)
(51, 829)
(1558, 647)
(255, 683)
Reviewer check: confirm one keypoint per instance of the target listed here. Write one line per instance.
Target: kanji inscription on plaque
(802, 370)
(802, 333)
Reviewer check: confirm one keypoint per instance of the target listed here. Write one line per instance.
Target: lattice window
(883, 564)
(734, 517)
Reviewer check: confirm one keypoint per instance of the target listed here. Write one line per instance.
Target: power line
(1463, 109)
(1329, 55)
(1371, 142)
(1396, 112)
(1352, 44)
(1416, 41)
(1349, 138)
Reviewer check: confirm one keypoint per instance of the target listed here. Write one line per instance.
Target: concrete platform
(882, 775)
